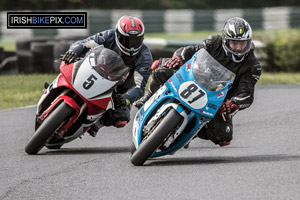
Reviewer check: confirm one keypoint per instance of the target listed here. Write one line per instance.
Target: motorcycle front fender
(138, 125)
(71, 102)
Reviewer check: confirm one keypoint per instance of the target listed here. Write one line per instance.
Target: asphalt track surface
(263, 161)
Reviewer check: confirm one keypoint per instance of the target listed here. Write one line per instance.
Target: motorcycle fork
(72, 103)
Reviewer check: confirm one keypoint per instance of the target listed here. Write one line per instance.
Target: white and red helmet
(129, 35)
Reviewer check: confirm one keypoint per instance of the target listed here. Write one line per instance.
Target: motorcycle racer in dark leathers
(234, 50)
(127, 40)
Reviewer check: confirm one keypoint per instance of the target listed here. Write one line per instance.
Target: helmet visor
(238, 47)
(130, 42)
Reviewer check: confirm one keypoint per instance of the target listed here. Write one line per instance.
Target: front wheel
(55, 119)
(156, 138)
(132, 148)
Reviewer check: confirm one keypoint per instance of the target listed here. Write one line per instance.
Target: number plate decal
(193, 95)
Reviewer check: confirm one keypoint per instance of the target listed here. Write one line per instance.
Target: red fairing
(102, 103)
(67, 71)
(61, 82)
(94, 106)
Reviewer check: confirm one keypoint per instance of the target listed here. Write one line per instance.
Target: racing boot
(139, 103)
(222, 138)
(117, 118)
(95, 128)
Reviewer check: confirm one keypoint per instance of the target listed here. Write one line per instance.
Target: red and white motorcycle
(77, 98)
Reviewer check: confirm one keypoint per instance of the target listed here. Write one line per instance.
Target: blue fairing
(194, 92)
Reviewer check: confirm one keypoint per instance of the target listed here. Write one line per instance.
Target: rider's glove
(229, 107)
(121, 100)
(70, 56)
(174, 62)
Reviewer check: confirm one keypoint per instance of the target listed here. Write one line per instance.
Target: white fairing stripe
(88, 75)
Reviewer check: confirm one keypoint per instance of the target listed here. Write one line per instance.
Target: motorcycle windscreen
(108, 64)
(100, 70)
(209, 73)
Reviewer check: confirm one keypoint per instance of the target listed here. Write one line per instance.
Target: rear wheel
(156, 138)
(55, 119)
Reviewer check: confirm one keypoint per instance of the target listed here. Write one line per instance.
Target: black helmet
(129, 35)
(237, 31)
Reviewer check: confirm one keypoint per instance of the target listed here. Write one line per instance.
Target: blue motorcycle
(174, 114)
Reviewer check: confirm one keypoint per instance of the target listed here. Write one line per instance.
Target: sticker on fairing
(193, 95)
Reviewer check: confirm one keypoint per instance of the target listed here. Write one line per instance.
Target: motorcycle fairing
(87, 84)
(101, 101)
(178, 87)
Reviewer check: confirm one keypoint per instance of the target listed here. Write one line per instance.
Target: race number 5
(193, 95)
(89, 82)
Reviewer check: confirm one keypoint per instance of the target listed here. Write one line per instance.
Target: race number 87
(192, 88)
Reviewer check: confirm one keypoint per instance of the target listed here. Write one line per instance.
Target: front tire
(48, 127)
(132, 148)
(157, 137)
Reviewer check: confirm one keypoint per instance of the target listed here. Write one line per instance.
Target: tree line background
(6, 5)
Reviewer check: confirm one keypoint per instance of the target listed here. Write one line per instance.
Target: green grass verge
(8, 45)
(25, 90)
(279, 78)
(22, 90)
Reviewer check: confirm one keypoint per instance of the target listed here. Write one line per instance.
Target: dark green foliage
(283, 52)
